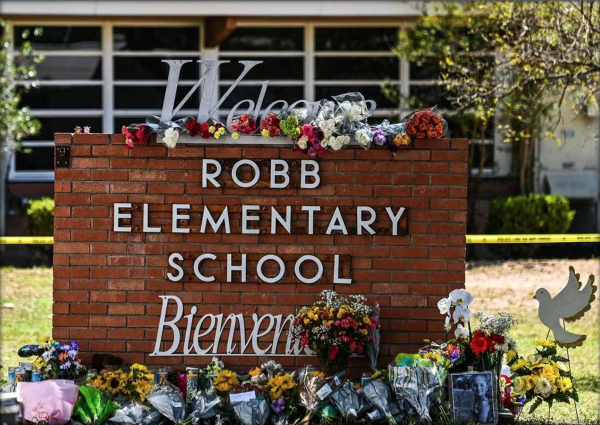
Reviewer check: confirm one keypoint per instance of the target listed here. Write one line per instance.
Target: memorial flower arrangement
(134, 384)
(328, 125)
(225, 381)
(58, 360)
(542, 377)
(335, 328)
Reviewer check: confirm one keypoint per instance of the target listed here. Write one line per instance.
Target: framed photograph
(473, 397)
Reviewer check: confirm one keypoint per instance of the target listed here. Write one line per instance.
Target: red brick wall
(106, 284)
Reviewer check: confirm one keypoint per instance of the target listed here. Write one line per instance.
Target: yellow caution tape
(583, 237)
(26, 240)
(471, 239)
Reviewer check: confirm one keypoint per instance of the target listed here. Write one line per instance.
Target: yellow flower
(433, 356)
(306, 321)
(364, 331)
(226, 381)
(39, 363)
(510, 355)
(212, 129)
(318, 374)
(376, 375)
(564, 384)
(560, 366)
(235, 136)
(265, 133)
(546, 343)
(366, 320)
(518, 365)
(521, 384)
(542, 386)
(255, 371)
(217, 135)
(536, 360)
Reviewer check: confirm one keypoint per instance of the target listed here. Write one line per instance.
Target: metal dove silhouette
(570, 304)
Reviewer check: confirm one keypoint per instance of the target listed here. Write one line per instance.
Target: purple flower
(65, 347)
(72, 354)
(66, 365)
(379, 137)
(521, 399)
(74, 345)
(312, 152)
(278, 406)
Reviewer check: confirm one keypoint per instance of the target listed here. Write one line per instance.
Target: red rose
(425, 118)
(423, 127)
(333, 352)
(420, 136)
(436, 119)
(410, 130)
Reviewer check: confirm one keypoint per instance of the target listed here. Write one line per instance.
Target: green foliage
(40, 214)
(16, 121)
(290, 127)
(530, 214)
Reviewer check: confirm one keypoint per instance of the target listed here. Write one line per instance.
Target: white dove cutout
(570, 304)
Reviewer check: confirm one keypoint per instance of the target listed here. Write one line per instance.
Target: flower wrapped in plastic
(426, 124)
(130, 414)
(353, 107)
(316, 388)
(52, 401)
(417, 385)
(168, 400)
(93, 407)
(205, 405)
(282, 393)
(372, 346)
(351, 405)
(252, 412)
(377, 394)
(363, 135)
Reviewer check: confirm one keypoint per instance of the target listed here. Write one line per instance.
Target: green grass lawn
(500, 287)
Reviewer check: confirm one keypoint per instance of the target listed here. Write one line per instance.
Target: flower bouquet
(92, 407)
(282, 393)
(50, 401)
(168, 400)
(542, 376)
(135, 384)
(59, 361)
(334, 328)
(426, 124)
(315, 389)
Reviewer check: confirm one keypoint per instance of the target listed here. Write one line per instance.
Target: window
(139, 76)
(282, 51)
(358, 59)
(34, 162)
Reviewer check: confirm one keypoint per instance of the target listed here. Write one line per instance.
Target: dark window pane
(68, 67)
(428, 96)
(61, 38)
(272, 68)
(151, 97)
(379, 119)
(467, 126)
(63, 97)
(156, 38)
(485, 151)
(289, 94)
(428, 70)
(244, 39)
(151, 68)
(357, 68)
(365, 39)
(369, 92)
(65, 125)
(35, 158)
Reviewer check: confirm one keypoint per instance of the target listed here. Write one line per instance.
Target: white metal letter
(207, 218)
(336, 223)
(364, 224)
(177, 217)
(395, 218)
(276, 218)
(299, 264)
(172, 263)
(260, 273)
(118, 215)
(162, 323)
(283, 173)
(240, 183)
(305, 173)
(208, 176)
(246, 218)
(241, 268)
(145, 227)
(197, 267)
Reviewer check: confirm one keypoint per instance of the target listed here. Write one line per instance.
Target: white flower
(259, 379)
(336, 143)
(363, 137)
(327, 141)
(502, 347)
(171, 137)
(327, 126)
(461, 332)
(543, 386)
(461, 314)
(303, 142)
(444, 305)
(353, 111)
(461, 297)
(447, 325)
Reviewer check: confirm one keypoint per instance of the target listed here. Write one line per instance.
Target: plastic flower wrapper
(53, 400)
(205, 405)
(349, 403)
(363, 135)
(168, 400)
(132, 413)
(418, 385)
(252, 412)
(372, 346)
(353, 107)
(154, 417)
(315, 389)
(93, 407)
(377, 394)
(425, 124)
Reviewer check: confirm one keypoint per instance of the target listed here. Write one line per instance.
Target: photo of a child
(473, 397)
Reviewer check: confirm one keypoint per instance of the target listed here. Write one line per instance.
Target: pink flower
(304, 341)
(337, 323)
(345, 323)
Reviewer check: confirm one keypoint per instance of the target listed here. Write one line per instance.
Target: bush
(40, 214)
(528, 214)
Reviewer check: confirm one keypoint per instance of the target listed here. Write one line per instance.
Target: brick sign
(165, 256)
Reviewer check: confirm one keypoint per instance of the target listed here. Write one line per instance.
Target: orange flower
(425, 118)
(410, 130)
(401, 140)
(429, 127)
(423, 127)
(440, 129)
(420, 135)
(436, 119)
(432, 134)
